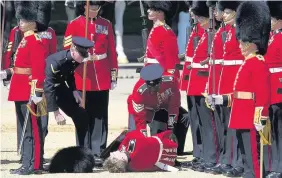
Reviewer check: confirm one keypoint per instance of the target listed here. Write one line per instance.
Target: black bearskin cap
(38, 11)
(27, 10)
(211, 3)
(80, 6)
(228, 5)
(43, 15)
(168, 7)
(200, 8)
(253, 24)
(275, 8)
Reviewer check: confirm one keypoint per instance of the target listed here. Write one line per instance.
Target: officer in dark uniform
(60, 89)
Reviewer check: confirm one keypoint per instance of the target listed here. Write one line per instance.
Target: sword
(24, 128)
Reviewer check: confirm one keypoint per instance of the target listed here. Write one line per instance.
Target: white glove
(259, 126)
(3, 75)
(218, 99)
(113, 85)
(36, 99)
(77, 97)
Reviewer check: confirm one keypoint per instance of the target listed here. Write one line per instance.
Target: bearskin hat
(168, 7)
(43, 15)
(228, 5)
(79, 10)
(200, 8)
(253, 24)
(72, 160)
(27, 10)
(275, 8)
(211, 3)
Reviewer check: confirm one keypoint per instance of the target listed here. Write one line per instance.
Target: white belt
(216, 61)
(198, 65)
(231, 62)
(275, 69)
(151, 60)
(161, 148)
(101, 56)
(188, 59)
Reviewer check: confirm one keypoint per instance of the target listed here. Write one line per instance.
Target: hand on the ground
(60, 119)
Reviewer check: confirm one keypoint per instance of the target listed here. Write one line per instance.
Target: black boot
(235, 172)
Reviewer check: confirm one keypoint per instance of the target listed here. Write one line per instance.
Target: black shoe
(210, 169)
(235, 172)
(205, 166)
(274, 175)
(189, 164)
(14, 171)
(220, 169)
(21, 160)
(98, 161)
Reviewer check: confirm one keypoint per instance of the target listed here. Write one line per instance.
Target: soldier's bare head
(117, 162)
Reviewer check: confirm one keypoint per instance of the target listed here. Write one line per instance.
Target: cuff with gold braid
(37, 98)
(114, 75)
(263, 125)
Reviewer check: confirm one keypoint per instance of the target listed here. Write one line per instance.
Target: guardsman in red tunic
(27, 82)
(102, 69)
(204, 153)
(162, 45)
(273, 59)
(155, 101)
(250, 98)
(231, 162)
(49, 40)
(139, 153)
(215, 67)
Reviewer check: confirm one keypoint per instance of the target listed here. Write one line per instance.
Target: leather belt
(188, 59)
(203, 73)
(216, 61)
(231, 62)
(151, 60)
(275, 70)
(23, 71)
(244, 95)
(198, 65)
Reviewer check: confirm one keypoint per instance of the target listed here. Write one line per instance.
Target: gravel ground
(63, 136)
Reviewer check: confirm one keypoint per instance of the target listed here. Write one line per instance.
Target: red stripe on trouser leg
(215, 137)
(36, 136)
(255, 156)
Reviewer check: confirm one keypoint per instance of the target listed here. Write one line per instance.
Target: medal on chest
(23, 43)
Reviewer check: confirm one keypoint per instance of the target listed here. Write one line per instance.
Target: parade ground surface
(64, 136)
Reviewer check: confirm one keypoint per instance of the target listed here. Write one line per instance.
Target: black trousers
(96, 105)
(249, 144)
(195, 127)
(273, 152)
(231, 153)
(68, 105)
(32, 142)
(159, 124)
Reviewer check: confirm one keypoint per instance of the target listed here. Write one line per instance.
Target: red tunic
(99, 71)
(162, 48)
(145, 152)
(254, 77)
(31, 53)
(217, 56)
(198, 74)
(143, 105)
(273, 59)
(233, 58)
(189, 53)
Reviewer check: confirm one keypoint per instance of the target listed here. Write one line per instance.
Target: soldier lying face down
(138, 153)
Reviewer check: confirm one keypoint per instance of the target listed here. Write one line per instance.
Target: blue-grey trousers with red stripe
(249, 144)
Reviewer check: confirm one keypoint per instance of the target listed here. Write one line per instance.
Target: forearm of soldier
(227, 100)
